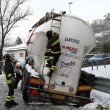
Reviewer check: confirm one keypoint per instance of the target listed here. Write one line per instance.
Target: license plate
(56, 96)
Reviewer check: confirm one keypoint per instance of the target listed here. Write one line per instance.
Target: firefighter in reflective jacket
(10, 79)
(55, 51)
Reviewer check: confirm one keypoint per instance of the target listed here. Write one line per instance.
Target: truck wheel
(25, 87)
(25, 95)
(22, 79)
(54, 102)
(84, 94)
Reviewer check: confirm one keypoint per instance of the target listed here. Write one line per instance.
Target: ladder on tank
(56, 26)
(53, 17)
(56, 19)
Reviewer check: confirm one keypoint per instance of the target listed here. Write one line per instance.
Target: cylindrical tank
(76, 40)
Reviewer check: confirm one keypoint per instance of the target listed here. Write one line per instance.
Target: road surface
(23, 106)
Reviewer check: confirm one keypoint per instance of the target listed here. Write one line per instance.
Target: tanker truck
(66, 84)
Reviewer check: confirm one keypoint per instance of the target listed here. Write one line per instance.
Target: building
(17, 52)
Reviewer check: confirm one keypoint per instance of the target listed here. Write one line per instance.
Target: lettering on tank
(72, 40)
(66, 64)
(69, 55)
(73, 50)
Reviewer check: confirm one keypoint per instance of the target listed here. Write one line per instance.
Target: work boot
(8, 105)
(15, 86)
(13, 103)
(50, 73)
(48, 63)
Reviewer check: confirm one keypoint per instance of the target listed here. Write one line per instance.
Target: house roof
(18, 47)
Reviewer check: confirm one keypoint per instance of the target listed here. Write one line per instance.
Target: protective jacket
(9, 71)
(54, 44)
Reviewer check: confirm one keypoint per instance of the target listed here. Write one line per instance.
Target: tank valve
(63, 83)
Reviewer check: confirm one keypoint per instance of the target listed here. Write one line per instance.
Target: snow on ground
(98, 96)
(102, 71)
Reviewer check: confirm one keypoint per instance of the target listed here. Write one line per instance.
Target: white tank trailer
(76, 40)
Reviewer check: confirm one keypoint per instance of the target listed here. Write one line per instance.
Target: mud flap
(87, 78)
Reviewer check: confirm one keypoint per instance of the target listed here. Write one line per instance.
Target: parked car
(18, 71)
(87, 57)
(99, 57)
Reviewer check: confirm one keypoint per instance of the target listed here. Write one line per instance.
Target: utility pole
(0, 12)
(0, 7)
(69, 6)
(0, 15)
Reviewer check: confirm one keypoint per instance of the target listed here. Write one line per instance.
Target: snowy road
(99, 97)
(22, 105)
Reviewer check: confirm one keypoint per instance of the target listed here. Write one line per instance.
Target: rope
(40, 22)
(106, 101)
(101, 106)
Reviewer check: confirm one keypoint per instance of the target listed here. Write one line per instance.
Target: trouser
(18, 78)
(10, 97)
(54, 60)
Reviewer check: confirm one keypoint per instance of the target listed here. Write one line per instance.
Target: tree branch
(20, 17)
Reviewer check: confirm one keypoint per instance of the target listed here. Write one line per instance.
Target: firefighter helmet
(7, 56)
(49, 34)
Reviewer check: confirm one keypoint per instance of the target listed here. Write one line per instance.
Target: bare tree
(10, 14)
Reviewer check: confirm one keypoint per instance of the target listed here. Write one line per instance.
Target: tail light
(18, 67)
(32, 91)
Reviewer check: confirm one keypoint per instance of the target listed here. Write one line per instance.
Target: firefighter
(53, 49)
(10, 79)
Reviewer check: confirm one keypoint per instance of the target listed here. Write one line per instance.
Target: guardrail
(102, 84)
(96, 63)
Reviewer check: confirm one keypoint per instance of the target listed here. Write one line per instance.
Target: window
(21, 54)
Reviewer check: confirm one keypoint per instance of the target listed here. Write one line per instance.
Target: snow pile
(32, 71)
(99, 97)
(102, 71)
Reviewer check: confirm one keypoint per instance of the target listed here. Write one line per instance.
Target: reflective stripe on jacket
(9, 71)
(8, 78)
(54, 43)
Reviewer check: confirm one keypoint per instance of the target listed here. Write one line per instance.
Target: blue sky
(85, 9)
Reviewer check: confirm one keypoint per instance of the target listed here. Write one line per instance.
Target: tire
(25, 87)
(84, 94)
(54, 102)
(25, 95)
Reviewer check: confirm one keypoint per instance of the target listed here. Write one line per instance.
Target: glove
(48, 54)
(13, 79)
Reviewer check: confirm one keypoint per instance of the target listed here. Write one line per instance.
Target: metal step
(57, 19)
(56, 26)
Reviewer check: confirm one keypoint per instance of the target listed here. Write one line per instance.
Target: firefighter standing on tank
(55, 51)
(10, 79)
